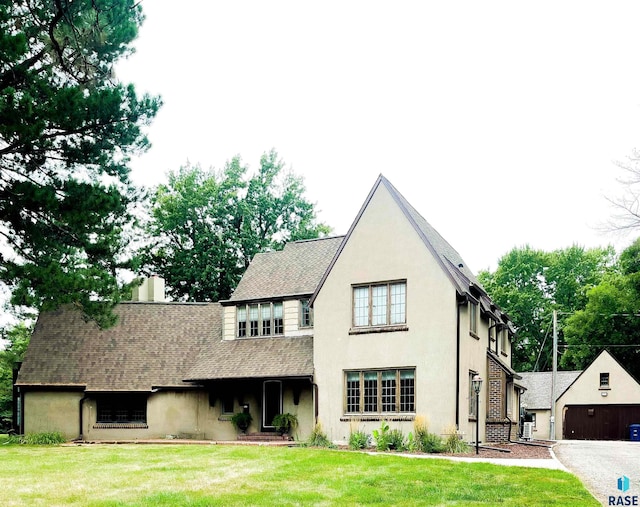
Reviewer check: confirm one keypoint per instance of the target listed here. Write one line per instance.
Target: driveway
(599, 464)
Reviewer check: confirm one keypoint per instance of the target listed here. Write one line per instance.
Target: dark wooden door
(599, 422)
(271, 402)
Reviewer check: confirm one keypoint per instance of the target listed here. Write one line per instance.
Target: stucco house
(598, 403)
(384, 323)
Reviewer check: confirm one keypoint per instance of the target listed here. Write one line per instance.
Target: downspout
(82, 400)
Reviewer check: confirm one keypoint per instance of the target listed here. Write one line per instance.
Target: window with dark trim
(122, 408)
(380, 391)
(306, 314)
(473, 317)
(227, 404)
(604, 379)
(259, 319)
(382, 304)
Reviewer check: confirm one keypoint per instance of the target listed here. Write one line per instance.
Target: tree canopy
(67, 131)
(609, 320)
(17, 338)
(206, 226)
(529, 284)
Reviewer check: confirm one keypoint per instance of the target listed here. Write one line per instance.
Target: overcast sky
(501, 122)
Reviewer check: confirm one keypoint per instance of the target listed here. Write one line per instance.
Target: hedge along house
(386, 323)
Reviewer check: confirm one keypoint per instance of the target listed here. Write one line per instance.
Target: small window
(473, 407)
(473, 318)
(604, 379)
(227, 404)
(306, 315)
(504, 335)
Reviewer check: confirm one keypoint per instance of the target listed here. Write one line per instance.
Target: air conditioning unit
(527, 431)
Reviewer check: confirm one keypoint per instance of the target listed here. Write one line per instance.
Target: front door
(271, 402)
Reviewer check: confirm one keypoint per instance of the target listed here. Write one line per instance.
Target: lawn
(170, 475)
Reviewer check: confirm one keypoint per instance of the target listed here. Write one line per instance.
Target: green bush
(423, 440)
(45, 438)
(359, 440)
(396, 440)
(454, 444)
(381, 437)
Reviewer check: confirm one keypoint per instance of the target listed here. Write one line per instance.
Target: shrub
(396, 440)
(453, 443)
(359, 440)
(423, 440)
(431, 443)
(318, 438)
(45, 438)
(381, 437)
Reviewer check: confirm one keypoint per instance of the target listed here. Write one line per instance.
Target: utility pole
(554, 378)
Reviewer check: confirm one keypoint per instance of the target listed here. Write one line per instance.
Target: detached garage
(599, 422)
(601, 403)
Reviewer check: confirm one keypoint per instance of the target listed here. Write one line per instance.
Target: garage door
(599, 422)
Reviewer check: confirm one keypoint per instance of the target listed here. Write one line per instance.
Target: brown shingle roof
(153, 344)
(295, 270)
(255, 358)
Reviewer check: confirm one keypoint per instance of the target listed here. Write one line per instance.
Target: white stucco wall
(385, 247)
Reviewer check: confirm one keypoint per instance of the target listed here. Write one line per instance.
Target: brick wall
(497, 425)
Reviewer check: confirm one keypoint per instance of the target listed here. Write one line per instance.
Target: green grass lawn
(175, 475)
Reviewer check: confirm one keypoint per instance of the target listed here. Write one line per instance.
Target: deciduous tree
(529, 284)
(206, 226)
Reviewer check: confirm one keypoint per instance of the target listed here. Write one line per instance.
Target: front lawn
(170, 475)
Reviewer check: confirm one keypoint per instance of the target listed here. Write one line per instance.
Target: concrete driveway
(599, 464)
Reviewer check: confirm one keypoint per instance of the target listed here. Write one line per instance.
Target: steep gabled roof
(295, 270)
(538, 385)
(445, 255)
(152, 345)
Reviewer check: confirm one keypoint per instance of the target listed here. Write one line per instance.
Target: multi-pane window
(380, 304)
(407, 391)
(604, 380)
(264, 319)
(306, 314)
(121, 409)
(380, 391)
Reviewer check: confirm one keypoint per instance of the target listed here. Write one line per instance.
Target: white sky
(499, 121)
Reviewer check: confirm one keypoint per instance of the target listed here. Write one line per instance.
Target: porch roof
(255, 358)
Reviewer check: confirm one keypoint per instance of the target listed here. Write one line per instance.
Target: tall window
(306, 315)
(380, 391)
(504, 335)
(473, 317)
(264, 319)
(380, 304)
(604, 380)
(473, 407)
